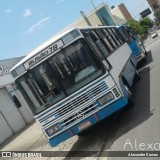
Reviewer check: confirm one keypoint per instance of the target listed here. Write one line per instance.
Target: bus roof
(50, 41)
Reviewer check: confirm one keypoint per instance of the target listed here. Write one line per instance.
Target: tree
(145, 24)
(134, 24)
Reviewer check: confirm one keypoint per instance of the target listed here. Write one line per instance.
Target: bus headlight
(53, 129)
(106, 98)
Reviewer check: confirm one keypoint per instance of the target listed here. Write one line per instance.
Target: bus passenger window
(115, 38)
(108, 36)
(115, 31)
(124, 35)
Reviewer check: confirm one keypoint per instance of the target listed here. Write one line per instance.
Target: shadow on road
(141, 110)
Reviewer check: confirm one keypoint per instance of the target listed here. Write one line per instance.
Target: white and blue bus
(76, 79)
(134, 42)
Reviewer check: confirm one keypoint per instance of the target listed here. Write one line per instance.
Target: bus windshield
(59, 76)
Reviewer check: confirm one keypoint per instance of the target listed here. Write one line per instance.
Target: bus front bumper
(88, 122)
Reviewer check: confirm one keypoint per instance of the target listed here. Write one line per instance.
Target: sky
(24, 25)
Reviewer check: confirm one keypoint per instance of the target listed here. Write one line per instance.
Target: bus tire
(127, 86)
(144, 60)
(82, 134)
(130, 102)
(137, 76)
(145, 52)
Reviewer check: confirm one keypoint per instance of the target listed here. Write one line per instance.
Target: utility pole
(85, 18)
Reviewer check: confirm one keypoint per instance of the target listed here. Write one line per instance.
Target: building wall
(106, 16)
(118, 20)
(116, 12)
(93, 19)
(118, 16)
(12, 118)
(124, 11)
(155, 5)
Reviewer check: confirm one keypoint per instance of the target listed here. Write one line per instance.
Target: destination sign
(43, 54)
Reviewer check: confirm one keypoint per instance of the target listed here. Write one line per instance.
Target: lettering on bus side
(46, 52)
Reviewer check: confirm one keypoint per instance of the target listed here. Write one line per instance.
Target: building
(118, 16)
(121, 14)
(124, 11)
(100, 15)
(12, 118)
(154, 4)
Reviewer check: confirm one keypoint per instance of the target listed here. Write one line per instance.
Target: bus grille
(83, 105)
(79, 115)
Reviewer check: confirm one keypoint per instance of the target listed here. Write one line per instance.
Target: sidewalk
(33, 139)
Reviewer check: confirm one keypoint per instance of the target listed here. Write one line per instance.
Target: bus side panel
(119, 59)
(120, 62)
(129, 72)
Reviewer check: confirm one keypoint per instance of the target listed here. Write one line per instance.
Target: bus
(76, 79)
(137, 47)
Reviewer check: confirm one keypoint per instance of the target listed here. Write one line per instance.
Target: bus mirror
(16, 101)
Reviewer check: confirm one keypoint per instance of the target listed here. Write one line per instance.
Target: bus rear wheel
(137, 76)
(130, 103)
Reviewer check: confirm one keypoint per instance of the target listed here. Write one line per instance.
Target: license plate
(84, 126)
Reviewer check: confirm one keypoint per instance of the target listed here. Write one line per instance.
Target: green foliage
(134, 25)
(140, 27)
(146, 23)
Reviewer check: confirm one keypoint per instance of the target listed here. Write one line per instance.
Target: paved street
(140, 123)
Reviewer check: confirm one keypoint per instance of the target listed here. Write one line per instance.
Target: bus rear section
(76, 80)
(137, 47)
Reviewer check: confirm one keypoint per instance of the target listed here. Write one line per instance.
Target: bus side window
(108, 36)
(131, 33)
(120, 36)
(92, 39)
(106, 41)
(125, 37)
(103, 40)
(100, 45)
(117, 37)
(113, 37)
